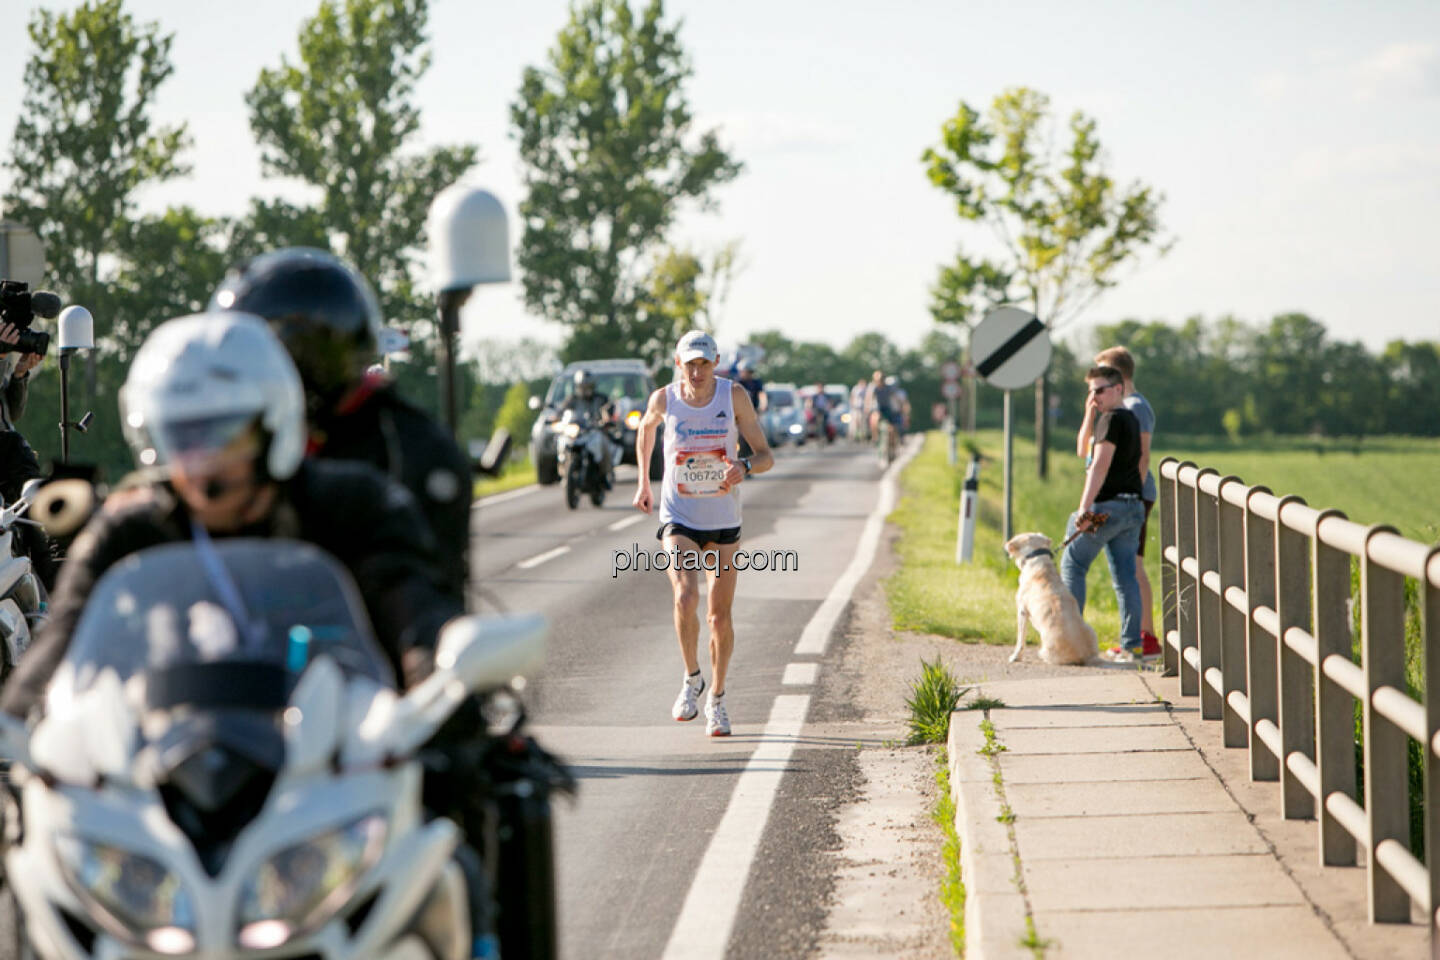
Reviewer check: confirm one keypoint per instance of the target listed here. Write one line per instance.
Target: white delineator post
(965, 535)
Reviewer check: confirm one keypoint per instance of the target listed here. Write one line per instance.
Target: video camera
(19, 307)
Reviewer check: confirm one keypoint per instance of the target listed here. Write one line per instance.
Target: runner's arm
(645, 434)
(746, 421)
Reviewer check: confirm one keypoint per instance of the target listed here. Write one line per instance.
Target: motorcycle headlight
(797, 428)
(131, 894)
(302, 886)
(632, 419)
(572, 430)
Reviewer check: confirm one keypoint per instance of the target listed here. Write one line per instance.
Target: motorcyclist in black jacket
(597, 410)
(214, 411)
(328, 318)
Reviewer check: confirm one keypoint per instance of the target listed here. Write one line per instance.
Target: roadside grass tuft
(952, 884)
(934, 697)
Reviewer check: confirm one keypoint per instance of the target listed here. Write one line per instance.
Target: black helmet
(320, 307)
(584, 384)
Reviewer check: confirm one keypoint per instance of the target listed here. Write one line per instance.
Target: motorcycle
(23, 599)
(582, 450)
(226, 768)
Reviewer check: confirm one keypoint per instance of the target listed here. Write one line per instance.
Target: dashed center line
(800, 674)
(627, 522)
(540, 558)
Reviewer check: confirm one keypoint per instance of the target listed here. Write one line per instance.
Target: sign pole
(1005, 532)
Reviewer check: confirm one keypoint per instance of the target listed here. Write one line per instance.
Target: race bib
(698, 473)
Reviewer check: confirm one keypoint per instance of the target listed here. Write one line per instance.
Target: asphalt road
(663, 852)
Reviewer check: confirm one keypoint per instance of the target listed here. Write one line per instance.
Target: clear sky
(1297, 143)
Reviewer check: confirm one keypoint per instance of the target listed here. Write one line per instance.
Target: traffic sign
(1011, 348)
(950, 389)
(951, 370)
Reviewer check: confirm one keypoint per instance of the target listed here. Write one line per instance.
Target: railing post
(1335, 729)
(1231, 554)
(1207, 548)
(1187, 589)
(1387, 784)
(1169, 582)
(1261, 683)
(1430, 643)
(1297, 677)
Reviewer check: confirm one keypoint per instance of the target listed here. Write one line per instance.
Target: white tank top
(695, 440)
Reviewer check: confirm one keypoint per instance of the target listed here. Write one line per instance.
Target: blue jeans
(1120, 539)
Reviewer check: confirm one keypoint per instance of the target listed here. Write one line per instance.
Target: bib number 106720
(700, 473)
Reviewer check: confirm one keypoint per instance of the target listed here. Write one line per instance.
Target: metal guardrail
(1257, 624)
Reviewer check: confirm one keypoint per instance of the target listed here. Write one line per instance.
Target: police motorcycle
(581, 450)
(225, 767)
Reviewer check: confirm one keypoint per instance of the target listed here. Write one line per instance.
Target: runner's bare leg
(685, 584)
(721, 582)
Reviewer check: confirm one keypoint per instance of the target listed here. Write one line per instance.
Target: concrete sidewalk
(1103, 829)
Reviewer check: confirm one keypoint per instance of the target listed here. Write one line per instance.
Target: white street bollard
(965, 536)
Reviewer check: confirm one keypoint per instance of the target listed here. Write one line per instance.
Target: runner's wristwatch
(745, 462)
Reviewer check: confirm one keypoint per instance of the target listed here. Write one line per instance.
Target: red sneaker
(1149, 644)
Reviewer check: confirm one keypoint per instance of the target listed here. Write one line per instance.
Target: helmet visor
(202, 439)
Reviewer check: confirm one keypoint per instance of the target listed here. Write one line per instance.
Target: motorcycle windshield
(237, 630)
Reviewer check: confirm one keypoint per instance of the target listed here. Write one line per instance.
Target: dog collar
(1038, 553)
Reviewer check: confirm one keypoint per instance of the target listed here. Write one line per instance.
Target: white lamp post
(469, 246)
(76, 332)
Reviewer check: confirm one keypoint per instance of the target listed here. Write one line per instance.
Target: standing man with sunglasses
(1112, 487)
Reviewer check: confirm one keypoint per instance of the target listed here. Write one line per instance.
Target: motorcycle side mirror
(491, 460)
(474, 654)
(15, 741)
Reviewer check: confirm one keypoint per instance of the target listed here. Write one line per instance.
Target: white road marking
(495, 498)
(540, 558)
(705, 921)
(800, 674)
(816, 636)
(627, 522)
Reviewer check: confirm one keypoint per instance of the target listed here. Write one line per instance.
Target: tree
(84, 142)
(83, 147)
(342, 120)
(604, 133)
(1064, 226)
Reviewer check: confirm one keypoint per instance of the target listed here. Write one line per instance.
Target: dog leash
(1096, 521)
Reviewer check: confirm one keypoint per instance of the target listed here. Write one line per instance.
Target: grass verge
(952, 885)
(517, 473)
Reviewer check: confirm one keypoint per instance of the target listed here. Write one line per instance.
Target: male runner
(703, 415)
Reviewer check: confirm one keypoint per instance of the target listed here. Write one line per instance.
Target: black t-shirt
(1120, 427)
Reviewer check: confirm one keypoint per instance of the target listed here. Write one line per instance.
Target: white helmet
(198, 381)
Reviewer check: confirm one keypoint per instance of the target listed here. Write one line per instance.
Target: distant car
(784, 419)
(626, 382)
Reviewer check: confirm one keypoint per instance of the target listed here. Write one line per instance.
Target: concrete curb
(994, 906)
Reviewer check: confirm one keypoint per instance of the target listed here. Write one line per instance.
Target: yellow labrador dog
(1065, 637)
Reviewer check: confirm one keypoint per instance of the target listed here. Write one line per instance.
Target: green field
(1389, 480)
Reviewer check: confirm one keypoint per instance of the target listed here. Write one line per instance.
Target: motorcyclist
(328, 318)
(597, 410)
(214, 412)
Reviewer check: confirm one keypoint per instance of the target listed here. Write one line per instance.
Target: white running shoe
(717, 721)
(686, 705)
